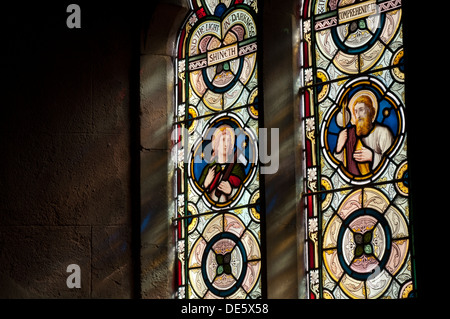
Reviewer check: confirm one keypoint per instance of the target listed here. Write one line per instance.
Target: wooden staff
(344, 125)
(226, 174)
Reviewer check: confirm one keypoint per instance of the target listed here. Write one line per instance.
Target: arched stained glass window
(216, 135)
(356, 183)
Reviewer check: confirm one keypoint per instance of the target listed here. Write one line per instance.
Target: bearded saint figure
(361, 146)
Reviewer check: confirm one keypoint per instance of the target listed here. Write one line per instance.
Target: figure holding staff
(361, 145)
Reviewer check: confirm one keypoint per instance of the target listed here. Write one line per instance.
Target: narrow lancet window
(217, 211)
(356, 181)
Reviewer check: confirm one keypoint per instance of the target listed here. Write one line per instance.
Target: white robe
(378, 141)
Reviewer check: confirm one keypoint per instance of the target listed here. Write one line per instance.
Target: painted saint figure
(223, 176)
(361, 146)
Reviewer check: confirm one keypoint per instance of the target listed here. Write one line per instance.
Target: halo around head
(357, 95)
(223, 129)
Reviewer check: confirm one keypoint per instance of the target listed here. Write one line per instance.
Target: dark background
(66, 137)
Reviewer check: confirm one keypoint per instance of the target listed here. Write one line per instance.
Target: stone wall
(158, 38)
(65, 173)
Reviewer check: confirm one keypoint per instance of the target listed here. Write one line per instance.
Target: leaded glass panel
(216, 150)
(356, 182)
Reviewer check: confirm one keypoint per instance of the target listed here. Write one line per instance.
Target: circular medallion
(364, 244)
(253, 104)
(255, 208)
(356, 42)
(358, 36)
(223, 161)
(407, 290)
(322, 89)
(398, 72)
(402, 173)
(192, 122)
(220, 66)
(327, 294)
(193, 220)
(225, 260)
(363, 128)
(326, 198)
(222, 264)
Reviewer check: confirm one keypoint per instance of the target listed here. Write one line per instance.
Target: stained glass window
(217, 211)
(356, 182)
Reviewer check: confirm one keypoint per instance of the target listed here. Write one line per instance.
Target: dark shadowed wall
(65, 151)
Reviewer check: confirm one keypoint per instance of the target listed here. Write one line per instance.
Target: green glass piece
(367, 237)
